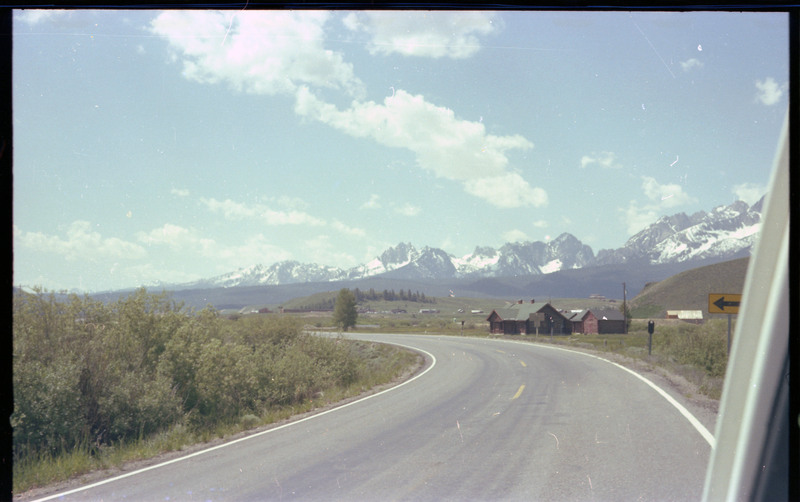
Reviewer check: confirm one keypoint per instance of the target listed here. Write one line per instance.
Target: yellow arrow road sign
(723, 303)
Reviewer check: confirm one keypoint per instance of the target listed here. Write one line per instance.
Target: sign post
(724, 303)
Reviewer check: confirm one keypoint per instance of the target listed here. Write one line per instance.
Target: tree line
(90, 373)
(391, 296)
(362, 296)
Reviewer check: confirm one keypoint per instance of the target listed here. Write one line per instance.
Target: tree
(344, 311)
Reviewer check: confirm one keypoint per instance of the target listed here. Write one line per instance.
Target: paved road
(488, 420)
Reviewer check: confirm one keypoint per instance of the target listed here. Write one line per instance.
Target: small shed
(593, 322)
(609, 321)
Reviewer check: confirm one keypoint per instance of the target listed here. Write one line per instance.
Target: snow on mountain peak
(725, 232)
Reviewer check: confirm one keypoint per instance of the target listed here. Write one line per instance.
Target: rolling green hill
(689, 290)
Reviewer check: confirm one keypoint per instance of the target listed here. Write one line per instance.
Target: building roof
(579, 315)
(519, 311)
(686, 314)
(608, 315)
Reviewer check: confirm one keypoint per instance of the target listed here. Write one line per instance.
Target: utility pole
(624, 309)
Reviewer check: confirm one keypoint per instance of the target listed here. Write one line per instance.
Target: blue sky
(173, 146)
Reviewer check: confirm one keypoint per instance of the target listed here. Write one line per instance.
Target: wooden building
(598, 322)
(529, 319)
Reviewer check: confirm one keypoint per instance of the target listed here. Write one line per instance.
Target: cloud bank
(449, 34)
(282, 53)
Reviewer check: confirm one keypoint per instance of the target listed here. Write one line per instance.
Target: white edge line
(683, 411)
(235, 441)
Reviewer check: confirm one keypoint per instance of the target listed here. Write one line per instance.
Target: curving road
(487, 420)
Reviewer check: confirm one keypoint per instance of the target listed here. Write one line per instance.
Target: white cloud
(769, 91)
(270, 52)
(262, 52)
(233, 210)
(256, 249)
(34, 16)
(408, 210)
(506, 191)
(345, 229)
(291, 202)
(180, 192)
(662, 198)
(448, 147)
(81, 242)
(690, 64)
(425, 34)
(176, 238)
(637, 218)
(515, 236)
(540, 224)
(667, 195)
(749, 192)
(372, 203)
(603, 159)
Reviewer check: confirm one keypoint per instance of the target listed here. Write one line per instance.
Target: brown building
(529, 319)
(598, 322)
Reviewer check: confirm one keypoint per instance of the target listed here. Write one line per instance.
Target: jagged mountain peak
(723, 233)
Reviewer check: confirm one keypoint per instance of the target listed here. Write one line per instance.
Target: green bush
(47, 406)
(89, 375)
(702, 346)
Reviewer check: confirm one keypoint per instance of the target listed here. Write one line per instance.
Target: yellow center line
(519, 392)
(523, 363)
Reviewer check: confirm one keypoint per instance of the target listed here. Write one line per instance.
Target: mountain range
(724, 233)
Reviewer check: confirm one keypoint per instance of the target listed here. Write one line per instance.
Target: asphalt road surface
(486, 420)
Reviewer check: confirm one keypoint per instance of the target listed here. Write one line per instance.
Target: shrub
(702, 346)
(88, 374)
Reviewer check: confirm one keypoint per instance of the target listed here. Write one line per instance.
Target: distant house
(691, 316)
(610, 321)
(598, 322)
(584, 322)
(528, 318)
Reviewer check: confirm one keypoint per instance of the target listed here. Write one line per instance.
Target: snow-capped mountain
(285, 272)
(525, 258)
(724, 233)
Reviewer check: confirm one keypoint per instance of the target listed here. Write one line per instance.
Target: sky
(170, 146)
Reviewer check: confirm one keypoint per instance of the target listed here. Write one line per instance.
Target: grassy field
(689, 290)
